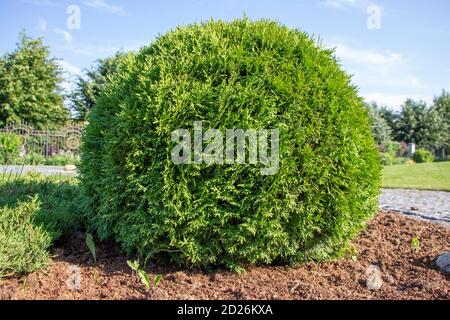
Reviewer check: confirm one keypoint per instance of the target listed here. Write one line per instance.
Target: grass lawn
(427, 176)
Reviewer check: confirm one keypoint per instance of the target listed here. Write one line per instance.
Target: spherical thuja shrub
(240, 74)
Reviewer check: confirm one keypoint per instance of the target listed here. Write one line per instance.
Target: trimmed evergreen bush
(240, 74)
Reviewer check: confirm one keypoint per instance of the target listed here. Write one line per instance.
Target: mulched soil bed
(406, 273)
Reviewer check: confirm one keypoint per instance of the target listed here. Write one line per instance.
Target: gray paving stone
(430, 205)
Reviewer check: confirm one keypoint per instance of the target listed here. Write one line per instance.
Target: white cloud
(338, 3)
(67, 36)
(345, 4)
(69, 68)
(70, 72)
(42, 24)
(374, 67)
(43, 2)
(95, 50)
(103, 50)
(384, 76)
(104, 5)
(367, 56)
(394, 100)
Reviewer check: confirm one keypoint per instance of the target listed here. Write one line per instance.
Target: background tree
(380, 127)
(389, 115)
(409, 126)
(87, 88)
(421, 124)
(30, 86)
(441, 105)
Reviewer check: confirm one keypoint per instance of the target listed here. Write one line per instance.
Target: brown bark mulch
(407, 272)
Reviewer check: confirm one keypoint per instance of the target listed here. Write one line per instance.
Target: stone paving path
(430, 205)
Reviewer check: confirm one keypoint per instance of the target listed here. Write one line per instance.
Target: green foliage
(9, 148)
(380, 127)
(134, 265)
(415, 244)
(30, 86)
(38, 159)
(421, 124)
(238, 74)
(352, 252)
(62, 160)
(143, 276)
(388, 159)
(91, 246)
(388, 114)
(423, 156)
(23, 244)
(32, 159)
(60, 201)
(409, 124)
(392, 147)
(88, 88)
(157, 280)
(442, 105)
(425, 176)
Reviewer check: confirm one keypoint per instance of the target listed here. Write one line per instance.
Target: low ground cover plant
(35, 213)
(23, 244)
(240, 74)
(39, 159)
(59, 197)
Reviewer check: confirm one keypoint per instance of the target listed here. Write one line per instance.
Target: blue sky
(394, 48)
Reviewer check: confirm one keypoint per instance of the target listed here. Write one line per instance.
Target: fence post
(46, 144)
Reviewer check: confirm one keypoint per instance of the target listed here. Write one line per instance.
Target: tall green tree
(421, 124)
(409, 126)
(88, 87)
(389, 115)
(380, 127)
(442, 105)
(30, 86)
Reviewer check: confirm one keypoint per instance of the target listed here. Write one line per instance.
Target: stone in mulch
(443, 262)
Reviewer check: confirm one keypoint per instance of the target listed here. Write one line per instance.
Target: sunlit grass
(426, 176)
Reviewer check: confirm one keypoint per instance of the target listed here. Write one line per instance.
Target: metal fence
(48, 143)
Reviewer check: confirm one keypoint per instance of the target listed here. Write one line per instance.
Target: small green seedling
(415, 244)
(143, 276)
(158, 278)
(353, 252)
(91, 245)
(134, 265)
(25, 285)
